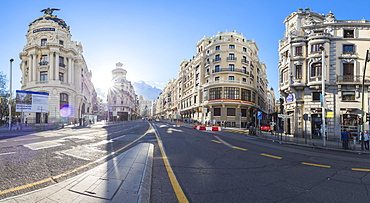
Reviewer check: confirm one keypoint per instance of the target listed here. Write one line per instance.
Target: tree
(4, 97)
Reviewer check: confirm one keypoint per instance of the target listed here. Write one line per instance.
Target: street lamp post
(10, 96)
(323, 105)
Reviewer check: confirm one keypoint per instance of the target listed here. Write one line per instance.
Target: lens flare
(66, 111)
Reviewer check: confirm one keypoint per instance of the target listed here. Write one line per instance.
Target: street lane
(231, 167)
(31, 157)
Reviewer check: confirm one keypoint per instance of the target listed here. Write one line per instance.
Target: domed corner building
(52, 63)
(121, 96)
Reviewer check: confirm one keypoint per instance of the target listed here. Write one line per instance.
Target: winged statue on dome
(49, 10)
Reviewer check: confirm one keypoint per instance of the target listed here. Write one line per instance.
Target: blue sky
(151, 37)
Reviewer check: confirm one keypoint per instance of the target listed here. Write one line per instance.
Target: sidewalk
(125, 178)
(335, 145)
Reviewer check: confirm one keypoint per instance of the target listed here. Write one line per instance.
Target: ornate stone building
(308, 39)
(122, 100)
(51, 62)
(224, 83)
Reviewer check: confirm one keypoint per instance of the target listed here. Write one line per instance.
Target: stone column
(29, 68)
(51, 66)
(23, 72)
(72, 71)
(57, 65)
(69, 70)
(34, 67)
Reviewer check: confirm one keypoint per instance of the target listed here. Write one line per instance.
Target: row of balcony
(228, 70)
(340, 79)
(45, 63)
(243, 60)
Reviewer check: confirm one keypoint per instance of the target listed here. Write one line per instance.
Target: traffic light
(359, 120)
(367, 117)
(281, 105)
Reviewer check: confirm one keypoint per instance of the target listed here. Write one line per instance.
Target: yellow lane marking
(360, 169)
(68, 172)
(216, 141)
(175, 184)
(240, 148)
(272, 156)
(318, 165)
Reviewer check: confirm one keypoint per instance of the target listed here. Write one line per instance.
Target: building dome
(53, 18)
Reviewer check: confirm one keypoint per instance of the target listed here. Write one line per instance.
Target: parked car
(157, 120)
(265, 127)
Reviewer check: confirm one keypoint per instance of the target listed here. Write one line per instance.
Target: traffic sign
(259, 114)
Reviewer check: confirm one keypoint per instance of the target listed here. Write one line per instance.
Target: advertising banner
(27, 101)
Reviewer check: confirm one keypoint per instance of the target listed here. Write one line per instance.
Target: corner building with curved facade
(344, 43)
(224, 83)
(52, 63)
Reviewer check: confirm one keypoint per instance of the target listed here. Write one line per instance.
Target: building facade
(319, 49)
(145, 107)
(224, 84)
(122, 100)
(52, 63)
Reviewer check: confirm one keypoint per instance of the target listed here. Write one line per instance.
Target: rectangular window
(231, 67)
(244, 80)
(244, 69)
(217, 112)
(230, 111)
(231, 78)
(43, 76)
(253, 97)
(231, 92)
(246, 95)
(61, 76)
(348, 96)
(316, 48)
(298, 51)
(316, 96)
(215, 93)
(348, 34)
(43, 42)
(316, 70)
(217, 78)
(61, 42)
(244, 112)
(231, 57)
(44, 60)
(244, 49)
(217, 47)
(61, 61)
(348, 49)
(231, 46)
(348, 72)
(298, 71)
(217, 58)
(217, 69)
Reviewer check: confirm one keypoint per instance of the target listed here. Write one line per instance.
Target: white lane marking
(7, 153)
(44, 145)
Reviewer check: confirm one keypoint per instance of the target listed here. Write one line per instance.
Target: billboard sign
(27, 101)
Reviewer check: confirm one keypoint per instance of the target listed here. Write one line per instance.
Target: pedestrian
(366, 139)
(17, 125)
(345, 138)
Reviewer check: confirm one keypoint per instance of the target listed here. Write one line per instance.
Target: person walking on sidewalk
(366, 139)
(345, 138)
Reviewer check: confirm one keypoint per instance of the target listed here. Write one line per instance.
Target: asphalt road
(209, 166)
(28, 158)
(232, 167)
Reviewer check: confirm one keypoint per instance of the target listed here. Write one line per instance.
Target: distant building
(52, 63)
(309, 38)
(145, 108)
(122, 100)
